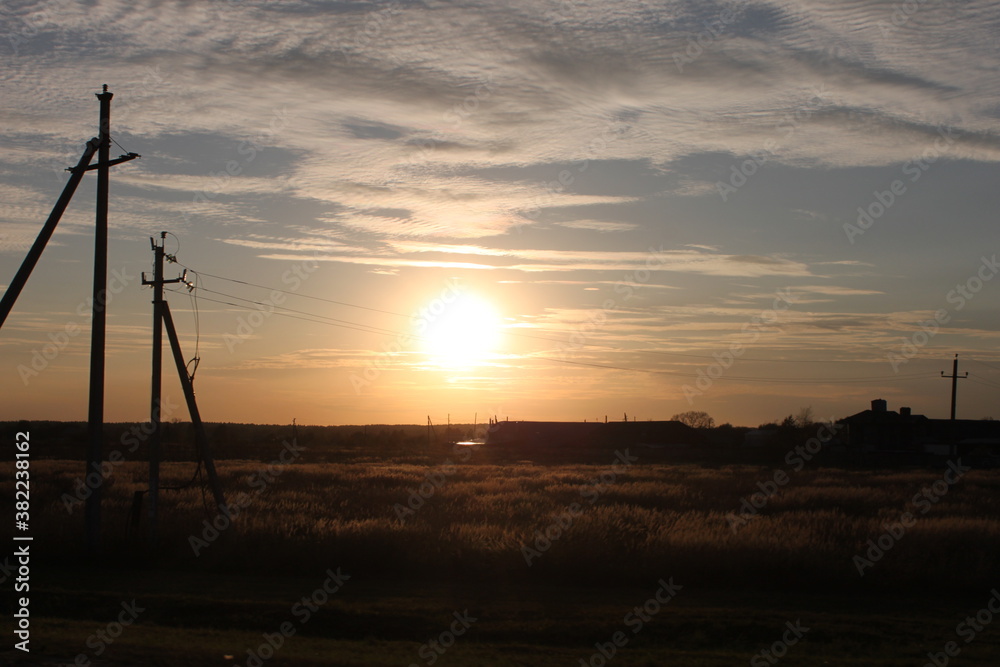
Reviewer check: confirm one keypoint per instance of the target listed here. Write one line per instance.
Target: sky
(563, 210)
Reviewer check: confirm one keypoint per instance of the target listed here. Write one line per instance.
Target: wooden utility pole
(95, 411)
(955, 377)
(155, 417)
(101, 145)
(201, 436)
(161, 320)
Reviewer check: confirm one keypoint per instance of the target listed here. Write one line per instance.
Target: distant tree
(788, 422)
(694, 419)
(805, 417)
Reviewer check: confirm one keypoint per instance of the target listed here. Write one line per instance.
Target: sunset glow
(464, 335)
(793, 208)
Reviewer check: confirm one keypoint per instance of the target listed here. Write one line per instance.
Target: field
(550, 559)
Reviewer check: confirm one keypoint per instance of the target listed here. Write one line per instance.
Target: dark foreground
(467, 561)
(186, 619)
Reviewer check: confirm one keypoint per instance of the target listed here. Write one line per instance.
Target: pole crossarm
(111, 163)
(954, 377)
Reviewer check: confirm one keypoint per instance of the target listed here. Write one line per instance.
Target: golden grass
(653, 521)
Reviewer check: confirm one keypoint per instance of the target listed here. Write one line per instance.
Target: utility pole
(155, 417)
(955, 377)
(101, 145)
(95, 412)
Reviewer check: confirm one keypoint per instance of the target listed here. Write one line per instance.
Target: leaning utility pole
(955, 377)
(101, 145)
(28, 264)
(201, 435)
(162, 319)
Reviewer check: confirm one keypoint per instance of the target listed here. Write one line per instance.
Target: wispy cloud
(541, 149)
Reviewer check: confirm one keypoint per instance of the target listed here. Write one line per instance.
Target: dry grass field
(607, 523)
(599, 537)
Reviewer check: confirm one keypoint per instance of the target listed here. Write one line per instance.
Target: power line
(304, 296)
(725, 376)
(507, 331)
(320, 319)
(293, 310)
(983, 381)
(324, 320)
(986, 364)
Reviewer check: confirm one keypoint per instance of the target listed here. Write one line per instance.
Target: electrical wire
(320, 319)
(986, 382)
(508, 331)
(338, 323)
(724, 376)
(117, 144)
(985, 364)
(304, 296)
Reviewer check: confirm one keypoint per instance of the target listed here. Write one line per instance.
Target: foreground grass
(422, 541)
(201, 619)
(577, 524)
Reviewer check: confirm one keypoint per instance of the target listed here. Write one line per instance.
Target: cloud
(541, 144)
(603, 226)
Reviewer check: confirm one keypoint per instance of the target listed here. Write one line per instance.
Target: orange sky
(499, 209)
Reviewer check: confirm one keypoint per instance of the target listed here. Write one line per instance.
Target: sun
(462, 333)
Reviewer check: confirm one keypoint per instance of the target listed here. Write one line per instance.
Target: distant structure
(592, 434)
(883, 432)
